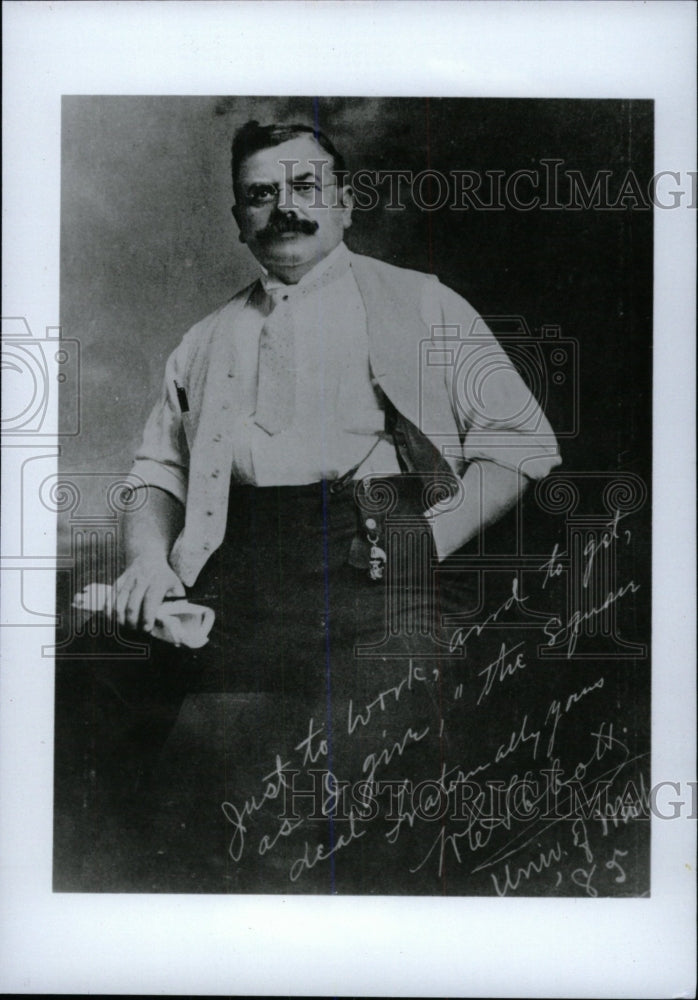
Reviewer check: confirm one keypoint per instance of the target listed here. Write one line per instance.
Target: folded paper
(176, 621)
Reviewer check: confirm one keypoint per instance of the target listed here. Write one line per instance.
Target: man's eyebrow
(309, 175)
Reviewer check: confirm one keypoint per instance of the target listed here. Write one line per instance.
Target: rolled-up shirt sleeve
(162, 460)
(499, 418)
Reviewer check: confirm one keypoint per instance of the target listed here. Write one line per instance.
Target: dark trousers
(302, 634)
(292, 590)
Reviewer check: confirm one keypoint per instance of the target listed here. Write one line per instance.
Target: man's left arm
(506, 439)
(489, 491)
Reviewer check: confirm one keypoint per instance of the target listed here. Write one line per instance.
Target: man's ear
(347, 200)
(236, 215)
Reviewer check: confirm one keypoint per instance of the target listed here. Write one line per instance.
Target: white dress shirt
(337, 413)
(430, 353)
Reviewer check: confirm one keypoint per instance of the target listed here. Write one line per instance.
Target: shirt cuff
(445, 531)
(534, 462)
(165, 477)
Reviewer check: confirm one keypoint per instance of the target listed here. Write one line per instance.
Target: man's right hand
(140, 590)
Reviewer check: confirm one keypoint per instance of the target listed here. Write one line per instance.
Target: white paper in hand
(183, 623)
(177, 621)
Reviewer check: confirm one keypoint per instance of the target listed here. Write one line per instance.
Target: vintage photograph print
(354, 496)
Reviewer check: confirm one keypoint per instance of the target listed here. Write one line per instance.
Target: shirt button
(209, 513)
(231, 374)
(226, 406)
(216, 438)
(215, 474)
(206, 546)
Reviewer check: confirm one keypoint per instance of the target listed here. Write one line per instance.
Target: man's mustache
(279, 224)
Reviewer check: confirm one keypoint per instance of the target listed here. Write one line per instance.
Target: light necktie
(276, 374)
(276, 378)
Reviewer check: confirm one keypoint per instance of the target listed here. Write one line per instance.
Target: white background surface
(323, 945)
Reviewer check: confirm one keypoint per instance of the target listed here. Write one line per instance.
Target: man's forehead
(296, 157)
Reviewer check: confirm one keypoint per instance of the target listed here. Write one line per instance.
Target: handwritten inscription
(521, 813)
(461, 635)
(604, 542)
(504, 666)
(311, 856)
(555, 631)
(275, 784)
(362, 717)
(513, 877)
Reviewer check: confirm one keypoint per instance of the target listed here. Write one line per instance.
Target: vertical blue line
(328, 659)
(326, 575)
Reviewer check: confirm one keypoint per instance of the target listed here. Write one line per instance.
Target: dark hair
(252, 137)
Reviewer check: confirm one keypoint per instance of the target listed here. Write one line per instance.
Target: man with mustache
(307, 473)
(292, 207)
